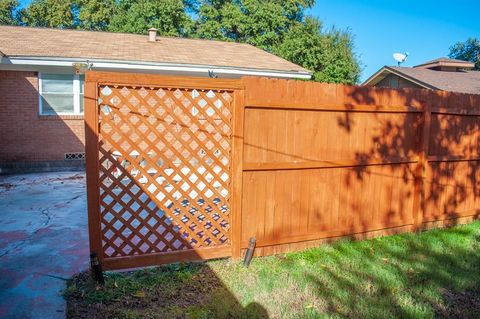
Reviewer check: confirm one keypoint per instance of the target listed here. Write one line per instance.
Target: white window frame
(76, 96)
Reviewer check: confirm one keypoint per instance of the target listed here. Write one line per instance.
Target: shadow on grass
(432, 274)
(173, 291)
(387, 278)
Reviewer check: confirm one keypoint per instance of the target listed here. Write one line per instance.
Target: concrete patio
(43, 241)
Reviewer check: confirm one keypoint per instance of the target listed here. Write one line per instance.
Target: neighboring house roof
(446, 62)
(463, 81)
(106, 46)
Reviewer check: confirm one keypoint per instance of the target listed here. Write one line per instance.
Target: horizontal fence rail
(184, 168)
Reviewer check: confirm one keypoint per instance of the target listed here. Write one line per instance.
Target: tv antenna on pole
(400, 57)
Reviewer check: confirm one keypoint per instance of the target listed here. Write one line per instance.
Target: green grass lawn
(432, 274)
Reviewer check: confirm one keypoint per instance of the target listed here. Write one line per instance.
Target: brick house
(41, 82)
(439, 74)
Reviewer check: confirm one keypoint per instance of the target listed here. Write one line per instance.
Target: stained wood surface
(286, 204)
(92, 169)
(160, 166)
(189, 169)
(324, 160)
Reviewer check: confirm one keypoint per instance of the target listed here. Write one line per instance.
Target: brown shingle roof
(446, 62)
(460, 81)
(443, 59)
(43, 42)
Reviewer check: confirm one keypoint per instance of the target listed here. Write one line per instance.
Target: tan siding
(395, 82)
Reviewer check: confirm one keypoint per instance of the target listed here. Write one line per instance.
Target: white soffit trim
(145, 66)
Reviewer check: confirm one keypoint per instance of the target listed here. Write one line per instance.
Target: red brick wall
(24, 134)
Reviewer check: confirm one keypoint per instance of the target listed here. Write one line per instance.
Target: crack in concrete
(45, 212)
(48, 215)
(72, 199)
(52, 276)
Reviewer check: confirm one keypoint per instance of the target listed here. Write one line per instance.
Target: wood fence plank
(92, 167)
(420, 184)
(237, 172)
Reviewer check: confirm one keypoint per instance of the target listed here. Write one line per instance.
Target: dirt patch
(461, 305)
(136, 301)
(161, 293)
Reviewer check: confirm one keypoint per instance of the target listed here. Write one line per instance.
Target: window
(61, 94)
(81, 80)
(394, 81)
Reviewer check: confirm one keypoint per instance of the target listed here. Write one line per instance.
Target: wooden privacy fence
(185, 168)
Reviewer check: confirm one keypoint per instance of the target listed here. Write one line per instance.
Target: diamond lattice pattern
(165, 158)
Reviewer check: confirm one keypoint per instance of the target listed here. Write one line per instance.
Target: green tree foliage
(262, 23)
(168, 16)
(281, 27)
(467, 51)
(328, 54)
(8, 12)
(277, 26)
(95, 14)
(50, 13)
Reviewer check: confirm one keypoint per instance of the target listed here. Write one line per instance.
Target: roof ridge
(442, 59)
(126, 33)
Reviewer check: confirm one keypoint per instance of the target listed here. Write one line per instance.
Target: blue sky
(425, 29)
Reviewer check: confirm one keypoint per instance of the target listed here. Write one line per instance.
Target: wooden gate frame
(93, 79)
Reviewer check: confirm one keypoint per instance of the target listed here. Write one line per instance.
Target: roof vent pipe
(152, 35)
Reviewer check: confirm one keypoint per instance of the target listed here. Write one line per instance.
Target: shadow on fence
(452, 150)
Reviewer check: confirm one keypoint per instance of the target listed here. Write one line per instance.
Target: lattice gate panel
(165, 169)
